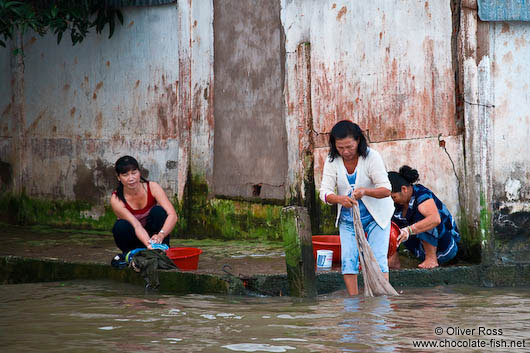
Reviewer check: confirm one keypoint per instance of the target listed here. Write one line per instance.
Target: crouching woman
(145, 214)
(428, 229)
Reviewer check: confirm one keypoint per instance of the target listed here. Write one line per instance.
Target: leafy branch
(42, 16)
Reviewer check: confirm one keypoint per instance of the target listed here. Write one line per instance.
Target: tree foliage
(77, 17)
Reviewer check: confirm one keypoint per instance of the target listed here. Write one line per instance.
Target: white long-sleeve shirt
(371, 173)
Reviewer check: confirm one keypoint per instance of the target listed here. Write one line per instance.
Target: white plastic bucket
(324, 259)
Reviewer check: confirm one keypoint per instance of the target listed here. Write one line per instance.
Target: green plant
(77, 17)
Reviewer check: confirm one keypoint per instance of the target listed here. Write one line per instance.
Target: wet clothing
(371, 173)
(142, 214)
(444, 236)
(147, 262)
(125, 236)
(378, 237)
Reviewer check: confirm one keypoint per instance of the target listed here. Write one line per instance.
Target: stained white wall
(87, 105)
(510, 47)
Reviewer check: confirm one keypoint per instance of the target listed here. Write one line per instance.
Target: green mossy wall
(21, 209)
(200, 217)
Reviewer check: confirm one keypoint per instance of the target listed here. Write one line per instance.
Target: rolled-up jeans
(378, 239)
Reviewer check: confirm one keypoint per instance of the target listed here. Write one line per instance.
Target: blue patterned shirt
(421, 194)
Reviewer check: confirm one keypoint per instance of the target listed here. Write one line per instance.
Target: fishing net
(374, 281)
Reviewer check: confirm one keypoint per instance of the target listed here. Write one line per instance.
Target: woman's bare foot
(429, 263)
(431, 260)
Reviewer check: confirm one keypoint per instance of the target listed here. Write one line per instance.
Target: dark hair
(406, 177)
(343, 129)
(124, 165)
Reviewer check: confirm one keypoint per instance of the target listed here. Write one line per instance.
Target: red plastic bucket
(392, 244)
(186, 259)
(327, 242)
(332, 242)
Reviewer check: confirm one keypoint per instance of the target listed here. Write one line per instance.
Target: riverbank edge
(17, 270)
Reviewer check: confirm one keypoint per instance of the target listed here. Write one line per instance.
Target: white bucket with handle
(324, 259)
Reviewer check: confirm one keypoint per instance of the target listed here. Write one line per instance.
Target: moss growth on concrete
(199, 217)
(470, 248)
(291, 241)
(327, 217)
(226, 219)
(23, 210)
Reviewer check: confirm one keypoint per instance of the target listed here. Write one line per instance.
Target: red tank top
(141, 214)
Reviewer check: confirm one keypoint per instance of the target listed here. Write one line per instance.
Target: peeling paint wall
(86, 105)
(386, 65)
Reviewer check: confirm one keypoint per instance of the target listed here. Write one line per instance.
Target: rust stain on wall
(341, 13)
(35, 123)
(6, 111)
(98, 87)
(30, 42)
(520, 42)
(507, 58)
(72, 112)
(395, 106)
(5, 114)
(99, 123)
(427, 10)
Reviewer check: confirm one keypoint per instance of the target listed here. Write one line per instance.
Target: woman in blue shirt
(428, 229)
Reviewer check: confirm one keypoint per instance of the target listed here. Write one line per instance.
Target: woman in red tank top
(145, 214)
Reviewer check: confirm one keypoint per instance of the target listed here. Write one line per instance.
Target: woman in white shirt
(354, 173)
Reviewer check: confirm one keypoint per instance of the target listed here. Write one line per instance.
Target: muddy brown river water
(104, 316)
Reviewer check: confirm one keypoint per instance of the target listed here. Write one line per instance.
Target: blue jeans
(378, 239)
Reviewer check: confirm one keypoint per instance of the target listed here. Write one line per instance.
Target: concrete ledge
(15, 270)
(513, 275)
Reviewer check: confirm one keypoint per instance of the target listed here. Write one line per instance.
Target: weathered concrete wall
(87, 105)
(250, 144)
(510, 47)
(202, 89)
(387, 66)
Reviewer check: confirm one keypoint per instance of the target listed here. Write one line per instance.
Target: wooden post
(298, 246)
